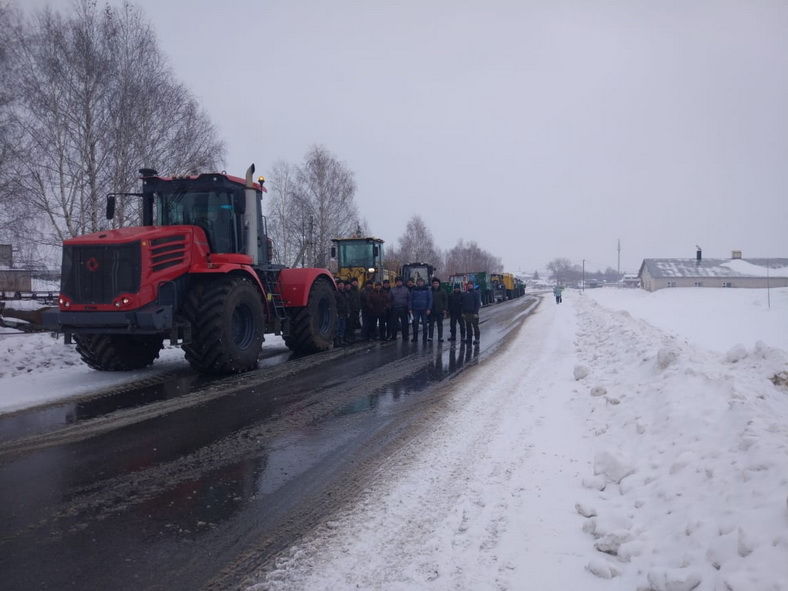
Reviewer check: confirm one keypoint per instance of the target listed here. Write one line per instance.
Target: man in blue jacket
(471, 303)
(420, 305)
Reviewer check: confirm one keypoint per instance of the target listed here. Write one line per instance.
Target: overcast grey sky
(536, 128)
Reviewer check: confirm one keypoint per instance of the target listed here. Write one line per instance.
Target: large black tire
(312, 328)
(228, 323)
(118, 352)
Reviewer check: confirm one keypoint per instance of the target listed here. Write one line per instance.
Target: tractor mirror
(110, 206)
(333, 252)
(239, 203)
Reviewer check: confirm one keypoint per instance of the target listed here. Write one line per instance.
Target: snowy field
(625, 440)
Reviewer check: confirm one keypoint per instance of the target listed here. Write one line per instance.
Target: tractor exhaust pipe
(251, 216)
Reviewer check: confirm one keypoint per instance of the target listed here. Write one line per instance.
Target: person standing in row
(420, 305)
(471, 303)
(440, 301)
(350, 328)
(379, 309)
(399, 297)
(366, 311)
(343, 312)
(455, 314)
(387, 320)
(354, 308)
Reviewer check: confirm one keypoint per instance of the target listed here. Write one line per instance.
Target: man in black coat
(367, 314)
(343, 312)
(354, 306)
(440, 301)
(471, 304)
(455, 313)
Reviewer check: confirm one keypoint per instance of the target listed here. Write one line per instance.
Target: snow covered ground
(625, 440)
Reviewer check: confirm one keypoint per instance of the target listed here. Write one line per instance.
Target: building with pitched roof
(657, 274)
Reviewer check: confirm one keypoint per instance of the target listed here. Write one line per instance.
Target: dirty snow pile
(37, 368)
(598, 451)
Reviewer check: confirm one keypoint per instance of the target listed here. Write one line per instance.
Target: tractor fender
(227, 268)
(294, 284)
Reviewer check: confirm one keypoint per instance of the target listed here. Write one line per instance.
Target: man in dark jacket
(420, 306)
(387, 320)
(354, 308)
(343, 312)
(471, 303)
(379, 309)
(440, 302)
(367, 329)
(455, 314)
(398, 297)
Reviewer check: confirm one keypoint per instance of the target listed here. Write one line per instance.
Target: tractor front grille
(97, 274)
(167, 252)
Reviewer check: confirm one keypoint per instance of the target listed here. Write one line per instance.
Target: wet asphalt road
(186, 482)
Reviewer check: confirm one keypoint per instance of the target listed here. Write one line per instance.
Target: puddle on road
(48, 418)
(446, 361)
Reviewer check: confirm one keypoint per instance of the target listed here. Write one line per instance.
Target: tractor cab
(359, 258)
(417, 271)
(227, 208)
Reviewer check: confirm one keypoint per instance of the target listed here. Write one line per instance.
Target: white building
(657, 274)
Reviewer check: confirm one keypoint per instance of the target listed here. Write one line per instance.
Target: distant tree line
(416, 245)
(86, 99)
(565, 272)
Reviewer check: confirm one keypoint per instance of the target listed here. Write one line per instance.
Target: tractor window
(417, 272)
(210, 210)
(356, 254)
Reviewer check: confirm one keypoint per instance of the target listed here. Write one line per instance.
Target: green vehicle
(480, 280)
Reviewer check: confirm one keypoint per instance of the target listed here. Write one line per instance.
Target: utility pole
(618, 269)
(583, 282)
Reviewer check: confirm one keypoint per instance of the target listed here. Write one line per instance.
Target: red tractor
(198, 272)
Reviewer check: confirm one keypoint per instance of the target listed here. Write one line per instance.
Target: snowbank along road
(596, 452)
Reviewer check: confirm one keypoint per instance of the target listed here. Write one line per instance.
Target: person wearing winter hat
(343, 312)
(440, 301)
(420, 308)
(455, 313)
(398, 298)
(471, 303)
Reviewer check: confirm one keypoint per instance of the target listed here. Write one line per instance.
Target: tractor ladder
(282, 325)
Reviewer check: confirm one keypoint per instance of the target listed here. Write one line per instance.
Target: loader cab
(359, 258)
(417, 271)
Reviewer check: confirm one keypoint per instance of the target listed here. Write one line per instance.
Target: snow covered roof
(658, 268)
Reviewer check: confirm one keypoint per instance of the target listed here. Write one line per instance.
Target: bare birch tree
(96, 102)
(469, 257)
(281, 212)
(17, 227)
(322, 205)
(416, 245)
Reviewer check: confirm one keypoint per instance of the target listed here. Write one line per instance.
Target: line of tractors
(362, 259)
(199, 271)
